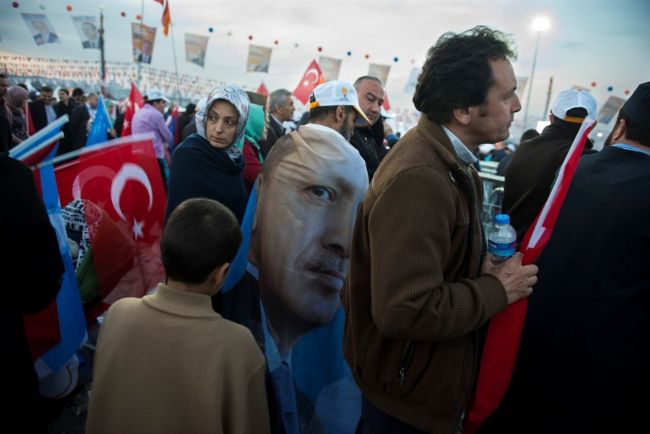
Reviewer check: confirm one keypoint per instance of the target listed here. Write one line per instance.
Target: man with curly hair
(419, 287)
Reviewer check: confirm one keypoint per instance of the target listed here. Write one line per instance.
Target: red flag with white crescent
(310, 79)
(505, 329)
(122, 180)
(133, 104)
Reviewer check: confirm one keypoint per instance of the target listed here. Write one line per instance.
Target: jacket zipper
(405, 361)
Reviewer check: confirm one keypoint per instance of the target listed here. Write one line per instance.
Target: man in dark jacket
(79, 121)
(65, 106)
(186, 117)
(413, 316)
(530, 174)
(281, 108)
(31, 275)
(369, 139)
(41, 110)
(583, 360)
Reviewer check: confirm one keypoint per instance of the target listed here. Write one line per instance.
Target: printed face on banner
(88, 32)
(259, 58)
(195, 48)
(330, 67)
(143, 42)
(308, 200)
(41, 29)
(610, 109)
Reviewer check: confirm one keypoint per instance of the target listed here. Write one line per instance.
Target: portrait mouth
(332, 277)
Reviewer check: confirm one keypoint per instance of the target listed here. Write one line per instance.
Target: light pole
(540, 25)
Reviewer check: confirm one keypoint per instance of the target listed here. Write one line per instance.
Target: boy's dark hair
(200, 235)
(457, 72)
(64, 90)
(77, 92)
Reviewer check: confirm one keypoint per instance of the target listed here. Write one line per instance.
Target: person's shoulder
(12, 168)
(124, 306)
(239, 336)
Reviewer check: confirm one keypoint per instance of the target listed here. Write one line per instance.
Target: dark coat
(200, 170)
(365, 140)
(31, 278)
(79, 127)
(61, 109)
(273, 133)
(585, 349)
(183, 120)
(38, 114)
(531, 172)
(188, 130)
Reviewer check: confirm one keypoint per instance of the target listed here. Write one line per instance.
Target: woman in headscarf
(253, 135)
(15, 99)
(209, 163)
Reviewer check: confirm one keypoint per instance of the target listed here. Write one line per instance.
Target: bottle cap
(502, 219)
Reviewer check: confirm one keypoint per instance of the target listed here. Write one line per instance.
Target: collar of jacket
(181, 303)
(438, 139)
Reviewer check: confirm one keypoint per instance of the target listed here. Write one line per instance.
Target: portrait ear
(619, 130)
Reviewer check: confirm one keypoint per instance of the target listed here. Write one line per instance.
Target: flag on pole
(35, 149)
(133, 104)
(172, 124)
(386, 104)
(101, 124)
(312, 77)
(504, 332)
(262, 90)
(166, 16)
(31, 129)
(56, 333)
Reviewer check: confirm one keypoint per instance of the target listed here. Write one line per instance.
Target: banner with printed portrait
(88, 31)
(379, 71)
(259, 58)
(41, 29)
(195, 48)
(610, 109)
(330, 67)
(144, 38)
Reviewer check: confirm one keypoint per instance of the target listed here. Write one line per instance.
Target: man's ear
(463, 115)
(619, 131)
(340, 113)
(219, 274)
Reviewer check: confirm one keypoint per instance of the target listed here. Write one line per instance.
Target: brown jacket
(167, 363)
(414, 297)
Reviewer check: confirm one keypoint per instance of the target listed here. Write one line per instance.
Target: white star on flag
(137, 229)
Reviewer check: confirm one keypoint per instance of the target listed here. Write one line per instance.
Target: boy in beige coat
(167, 363)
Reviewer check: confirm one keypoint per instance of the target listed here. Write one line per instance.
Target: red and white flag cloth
(505, 329)
(262, 90)
(386, 104)
(133, 104)
(166, 16)
(312, 77)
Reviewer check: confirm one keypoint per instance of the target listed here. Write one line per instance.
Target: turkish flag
(310, 79)
(31, 129)
(134, 103)
(386, 105)
(262, 90)
(123, 181)
(505, 329)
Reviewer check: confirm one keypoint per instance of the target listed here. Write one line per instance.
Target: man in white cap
(150, 119)
(530, 174)
(335, 104)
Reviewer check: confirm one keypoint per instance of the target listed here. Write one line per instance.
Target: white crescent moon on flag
(309, 72)
(129, 172)
(88, 174)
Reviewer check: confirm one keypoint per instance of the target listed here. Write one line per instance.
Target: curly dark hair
(457, 71)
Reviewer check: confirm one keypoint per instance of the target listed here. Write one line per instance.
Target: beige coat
(167, 363)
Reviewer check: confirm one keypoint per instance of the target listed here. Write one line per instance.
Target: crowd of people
(364, 250)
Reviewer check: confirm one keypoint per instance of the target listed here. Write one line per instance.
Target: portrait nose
(337, 237)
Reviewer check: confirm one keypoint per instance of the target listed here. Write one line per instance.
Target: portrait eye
(321, 192)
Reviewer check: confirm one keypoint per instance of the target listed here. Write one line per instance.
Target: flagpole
(139, 61)
(178, 86)
(102, 59)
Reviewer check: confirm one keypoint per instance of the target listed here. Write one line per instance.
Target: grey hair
(364, 78)
(278, 99)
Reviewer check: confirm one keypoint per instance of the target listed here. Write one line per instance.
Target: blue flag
(72, 321)
(101, 124)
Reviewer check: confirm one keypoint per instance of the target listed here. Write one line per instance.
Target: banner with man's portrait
(379, 71)
(330, 67)
(610, 109)
(88, 31)
(41, 29)
(195, 48)
(144, 38)
(259, 58)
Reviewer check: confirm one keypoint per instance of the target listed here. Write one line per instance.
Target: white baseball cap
(335, 93)
(155, 94)
(570, 99)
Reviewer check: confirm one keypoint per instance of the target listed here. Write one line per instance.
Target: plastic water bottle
(502, 239)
